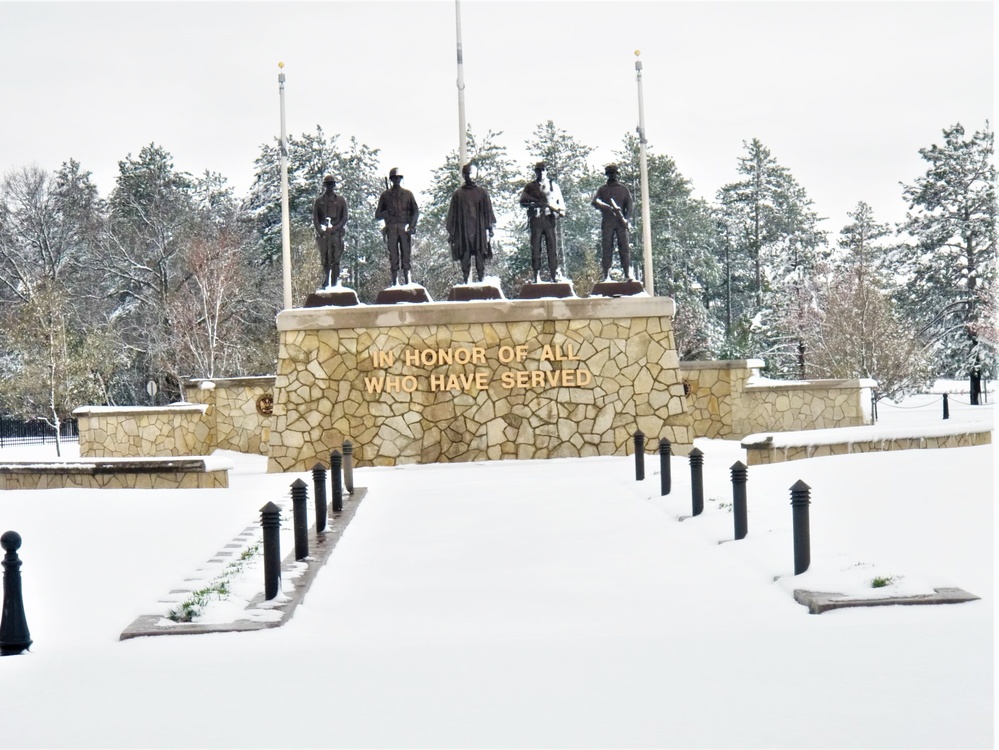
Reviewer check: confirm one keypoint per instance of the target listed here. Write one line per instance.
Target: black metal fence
(15, 431)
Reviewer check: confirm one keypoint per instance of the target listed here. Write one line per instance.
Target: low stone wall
(146, 474)
(714, 393)
(805, 405)
(130, 431)
(728, 399)
(239, 410)
(766, 450)
(440, 382)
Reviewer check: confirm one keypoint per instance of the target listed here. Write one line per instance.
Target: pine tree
(772, 249)
(685, 246)
(365, 253)
(950, 267)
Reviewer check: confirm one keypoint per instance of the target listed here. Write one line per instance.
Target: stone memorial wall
(441, 382)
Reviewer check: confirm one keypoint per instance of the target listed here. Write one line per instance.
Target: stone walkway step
(278, 610)
(820, 601)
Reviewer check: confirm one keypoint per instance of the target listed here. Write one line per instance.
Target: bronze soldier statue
(329, 216)
(543, 201)
(613, 200)
(397, 208)
(470, 223)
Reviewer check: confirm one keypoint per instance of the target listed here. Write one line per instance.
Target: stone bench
(790, 446)
(115, 473)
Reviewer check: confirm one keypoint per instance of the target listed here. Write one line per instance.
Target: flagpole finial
(281, 65)
(638, 52)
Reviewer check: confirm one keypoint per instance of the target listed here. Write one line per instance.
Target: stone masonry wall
(446, 382)
(239, 410)
(177, 430)
(729, 400)
(809, 405)
(715, 393)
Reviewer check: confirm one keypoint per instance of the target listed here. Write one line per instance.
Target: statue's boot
(395, 278)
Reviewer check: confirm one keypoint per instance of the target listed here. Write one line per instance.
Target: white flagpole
(462, 129)
(646, 226)
(285, 220)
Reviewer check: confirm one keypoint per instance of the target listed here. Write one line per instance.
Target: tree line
(173, 275)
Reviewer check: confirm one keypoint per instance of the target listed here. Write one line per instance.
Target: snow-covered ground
(545, 603)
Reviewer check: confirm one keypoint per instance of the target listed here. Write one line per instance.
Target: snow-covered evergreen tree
(773, 246)
(949, 268)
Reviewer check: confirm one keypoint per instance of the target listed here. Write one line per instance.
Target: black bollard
(270, 520)
(639, 455)
(299, 497)
(336, 461)
(665, 476)
(800, 493)
(14, 636)
(696, 482)
(348, 467)
(946, 407)
(739, 476)
(319, 482)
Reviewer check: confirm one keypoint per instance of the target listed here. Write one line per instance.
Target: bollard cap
(271, 508)
(696, 453)
(10, 541)
(639, 433)
(319, 466)
(299, 484)
(335, 452)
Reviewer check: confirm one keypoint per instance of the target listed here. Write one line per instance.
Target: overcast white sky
(843, 93)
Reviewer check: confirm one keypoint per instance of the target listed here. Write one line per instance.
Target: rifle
(616, 209)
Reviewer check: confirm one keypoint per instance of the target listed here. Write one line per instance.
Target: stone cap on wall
(263, 381)
(183, 408)
(766, 384)
(451, 313)
(722, 364)
(144, 465)
(861, 434)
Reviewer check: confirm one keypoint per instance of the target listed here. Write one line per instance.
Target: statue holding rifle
(613, 200)
(543, 201)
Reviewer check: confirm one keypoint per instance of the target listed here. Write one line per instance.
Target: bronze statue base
(617, 288)
(471, 292)
(324, 298)
(539, 290)
(395, 295)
